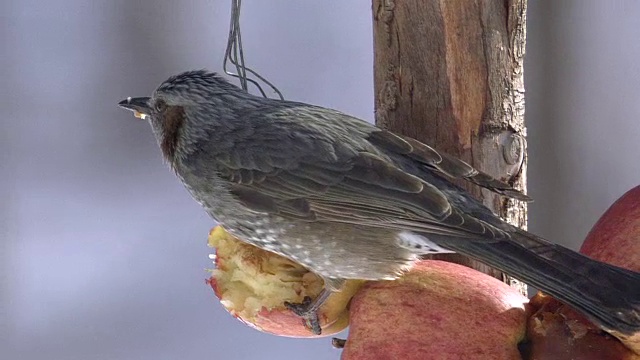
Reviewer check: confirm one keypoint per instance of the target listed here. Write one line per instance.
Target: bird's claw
(308, 312)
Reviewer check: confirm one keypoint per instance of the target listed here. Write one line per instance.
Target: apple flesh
(253, 285)
(556, 328)
(437, 310)
(556, 331)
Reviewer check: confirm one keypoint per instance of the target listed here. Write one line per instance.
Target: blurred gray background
(102, 252)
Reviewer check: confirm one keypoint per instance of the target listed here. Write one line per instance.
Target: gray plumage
(349, 200)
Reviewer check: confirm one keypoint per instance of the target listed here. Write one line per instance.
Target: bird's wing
(442, 163)
(303, 171)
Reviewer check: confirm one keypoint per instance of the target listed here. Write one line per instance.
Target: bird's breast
(332, 250)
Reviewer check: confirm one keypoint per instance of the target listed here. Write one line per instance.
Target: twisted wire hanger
(234, 54)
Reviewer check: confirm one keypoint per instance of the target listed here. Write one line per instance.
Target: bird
(349, 200)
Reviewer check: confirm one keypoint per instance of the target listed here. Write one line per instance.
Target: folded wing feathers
(367, 189)
(442, 163)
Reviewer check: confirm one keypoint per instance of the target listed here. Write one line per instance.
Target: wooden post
(449, 73)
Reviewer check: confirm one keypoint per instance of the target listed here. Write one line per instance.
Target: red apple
(557, 328)
(437, 310)
(253, 285)
(615, 238)
(556, 331)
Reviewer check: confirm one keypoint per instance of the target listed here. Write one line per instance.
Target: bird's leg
(308, 310)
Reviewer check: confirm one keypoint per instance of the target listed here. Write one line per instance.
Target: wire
(234, 54)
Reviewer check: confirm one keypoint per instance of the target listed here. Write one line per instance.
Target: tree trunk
(449, 73)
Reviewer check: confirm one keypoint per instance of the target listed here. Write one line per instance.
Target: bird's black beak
(140, 106)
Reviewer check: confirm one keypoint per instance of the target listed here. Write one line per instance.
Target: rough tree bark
(450, 73)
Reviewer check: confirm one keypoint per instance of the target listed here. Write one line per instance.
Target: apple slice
(253, 285)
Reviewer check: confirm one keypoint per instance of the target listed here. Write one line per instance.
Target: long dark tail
(608, 295)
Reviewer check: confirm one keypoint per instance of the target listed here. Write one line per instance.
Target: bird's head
(184, 108)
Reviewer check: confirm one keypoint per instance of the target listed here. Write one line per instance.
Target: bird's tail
(608, 295)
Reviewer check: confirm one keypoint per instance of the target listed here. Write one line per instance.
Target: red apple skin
(556, 328)
(438, 310)
(615, 238)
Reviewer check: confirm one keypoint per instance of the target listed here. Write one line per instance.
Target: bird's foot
(308, 311)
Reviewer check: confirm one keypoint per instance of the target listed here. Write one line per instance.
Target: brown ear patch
(173, 120)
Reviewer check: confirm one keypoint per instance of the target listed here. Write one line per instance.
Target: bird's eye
(160, 106)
